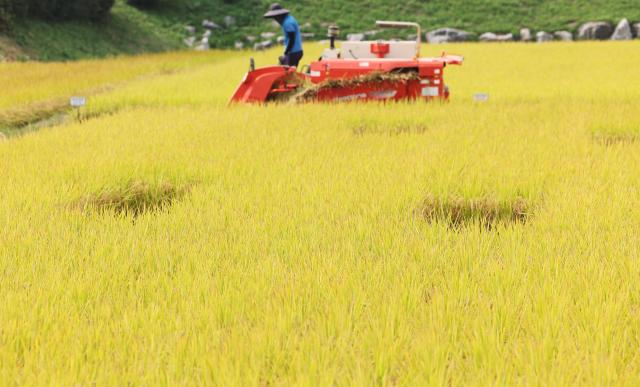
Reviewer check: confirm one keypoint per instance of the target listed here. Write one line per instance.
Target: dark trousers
(292, 59)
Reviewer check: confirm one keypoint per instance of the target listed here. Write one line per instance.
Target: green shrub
(144, 3)
(5, 12)
(55, 9)
(10, 9)
(4, 16)
(70, 9)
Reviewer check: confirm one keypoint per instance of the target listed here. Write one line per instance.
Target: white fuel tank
(363, 50)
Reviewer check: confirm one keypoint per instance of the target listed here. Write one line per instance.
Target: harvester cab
(358, 70)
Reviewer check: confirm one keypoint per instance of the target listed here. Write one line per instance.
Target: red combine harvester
(370, 70)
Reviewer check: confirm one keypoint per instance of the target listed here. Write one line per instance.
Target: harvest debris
(135, 198)
(309, 91)
(614, 139)
(487, 212)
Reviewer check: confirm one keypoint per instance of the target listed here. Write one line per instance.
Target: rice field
(33, 91)
(169, 239)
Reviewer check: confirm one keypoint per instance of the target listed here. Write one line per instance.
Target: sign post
(481, 97)
(77, 103)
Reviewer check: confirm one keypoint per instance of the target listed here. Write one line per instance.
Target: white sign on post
(77, 102)
(481, 97)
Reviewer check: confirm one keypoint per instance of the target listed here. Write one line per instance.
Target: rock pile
(265, 44)
(202, 43)
(622, 31)
(543, 36)
(355, 37)
(448, 35)
(497, 38)
(593, 30)
(209, 25)
(525, 35)
(564, 36)
(268, 35)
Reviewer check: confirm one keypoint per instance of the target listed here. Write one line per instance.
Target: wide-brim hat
(276, 10)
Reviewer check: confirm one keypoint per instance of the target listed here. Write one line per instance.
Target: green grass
(130, 30)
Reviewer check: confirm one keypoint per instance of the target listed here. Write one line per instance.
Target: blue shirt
(289, 25)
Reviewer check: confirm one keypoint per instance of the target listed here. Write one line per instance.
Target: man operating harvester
(292, 37)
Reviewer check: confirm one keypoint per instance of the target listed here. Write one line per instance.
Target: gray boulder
(371, 33)
(306, 26)
(229, 21)
(622, 31)
(355, 37)
(525, 35)
(207, 34)
(203, 45)
(308, 35)
(191, 30)
(263, 45)
(564, 36)
(492, 37)
(239, 45)
(543, 36)
(268, 35)
(280, 40)
(208, 24)
(448, 35)
(595, 31)
(190, 41)
(250, 38)
(636, 30)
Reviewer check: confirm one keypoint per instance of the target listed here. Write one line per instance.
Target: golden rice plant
(326, 244)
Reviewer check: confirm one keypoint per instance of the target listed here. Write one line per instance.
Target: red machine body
(373, 71)
(427, 81)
